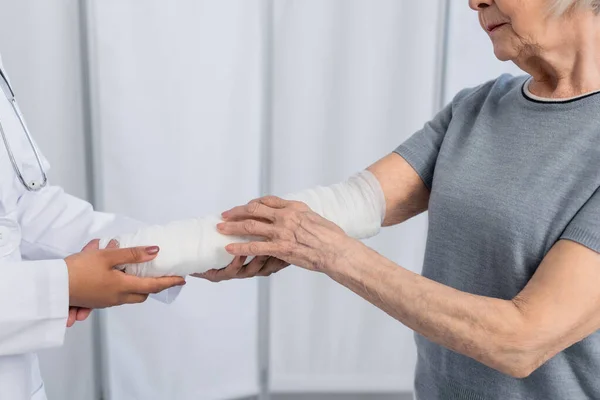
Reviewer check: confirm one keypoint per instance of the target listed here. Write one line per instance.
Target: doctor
(46, 283)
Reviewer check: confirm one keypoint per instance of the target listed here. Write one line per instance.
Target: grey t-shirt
(509, 177)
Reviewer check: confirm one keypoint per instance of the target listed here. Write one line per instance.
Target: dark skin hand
(78, 314)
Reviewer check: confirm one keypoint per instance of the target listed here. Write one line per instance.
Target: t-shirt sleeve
(422, 148)
(584, 228)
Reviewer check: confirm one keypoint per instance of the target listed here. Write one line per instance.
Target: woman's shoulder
(499, 87)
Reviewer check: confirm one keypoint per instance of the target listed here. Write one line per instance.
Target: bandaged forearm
(356, 205)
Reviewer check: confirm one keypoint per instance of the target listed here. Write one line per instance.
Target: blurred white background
(179, 108)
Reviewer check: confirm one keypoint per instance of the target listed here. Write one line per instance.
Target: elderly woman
(508, 303)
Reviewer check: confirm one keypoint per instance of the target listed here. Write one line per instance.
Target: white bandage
(356, 205)
(186, 247)
(195, 246)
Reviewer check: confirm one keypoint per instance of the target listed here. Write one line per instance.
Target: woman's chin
(503, 53)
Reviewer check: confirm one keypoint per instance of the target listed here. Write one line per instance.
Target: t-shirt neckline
(546, 100)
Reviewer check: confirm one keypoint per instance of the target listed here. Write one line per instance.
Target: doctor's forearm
(55, 224)
(482, 328)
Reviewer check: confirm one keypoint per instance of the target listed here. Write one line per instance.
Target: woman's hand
(295, 234)
(259, 266)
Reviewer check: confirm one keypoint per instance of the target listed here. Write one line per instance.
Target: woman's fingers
(255, 249)
(273, 202)
(213, 275)
(232, 270)
(254, 267)
(248, 227)
(229, 272)
(259, 266)
(272, 266)
(263, 208)
(219, 275)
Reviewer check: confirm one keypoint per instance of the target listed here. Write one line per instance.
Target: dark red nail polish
(152, 250)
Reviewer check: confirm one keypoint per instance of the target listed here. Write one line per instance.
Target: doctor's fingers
(92, 245)
(77, 314)
(95, 245)
(139, 285)
(83, 313)
(131, 255)
(72, 318)
(135, 298)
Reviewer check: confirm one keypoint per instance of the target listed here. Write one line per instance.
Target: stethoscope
(32, 186)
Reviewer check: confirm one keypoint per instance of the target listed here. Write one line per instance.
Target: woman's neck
(572, 67)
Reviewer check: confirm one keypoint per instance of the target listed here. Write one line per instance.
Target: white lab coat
(37, 230)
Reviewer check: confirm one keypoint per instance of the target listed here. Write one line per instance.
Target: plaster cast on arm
(190, 246)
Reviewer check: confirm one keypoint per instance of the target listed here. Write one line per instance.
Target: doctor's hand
(95, 283)
(81, 313)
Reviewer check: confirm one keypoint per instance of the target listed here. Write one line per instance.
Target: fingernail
(225, 214)
(229, 248)
(152, 250)
(220, 226)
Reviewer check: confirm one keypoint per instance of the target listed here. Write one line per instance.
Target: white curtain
(177, 90)
(353, 79)
(177, 118)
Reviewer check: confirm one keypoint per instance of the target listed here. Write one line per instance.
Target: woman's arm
(557, 308)
(359, 206)
(405, 193)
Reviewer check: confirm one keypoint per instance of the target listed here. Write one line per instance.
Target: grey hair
(560, 7)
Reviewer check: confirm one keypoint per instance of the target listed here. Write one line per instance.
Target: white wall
(39, 43)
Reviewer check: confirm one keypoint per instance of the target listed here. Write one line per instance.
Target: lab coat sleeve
(55, 224)
(34, 296)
